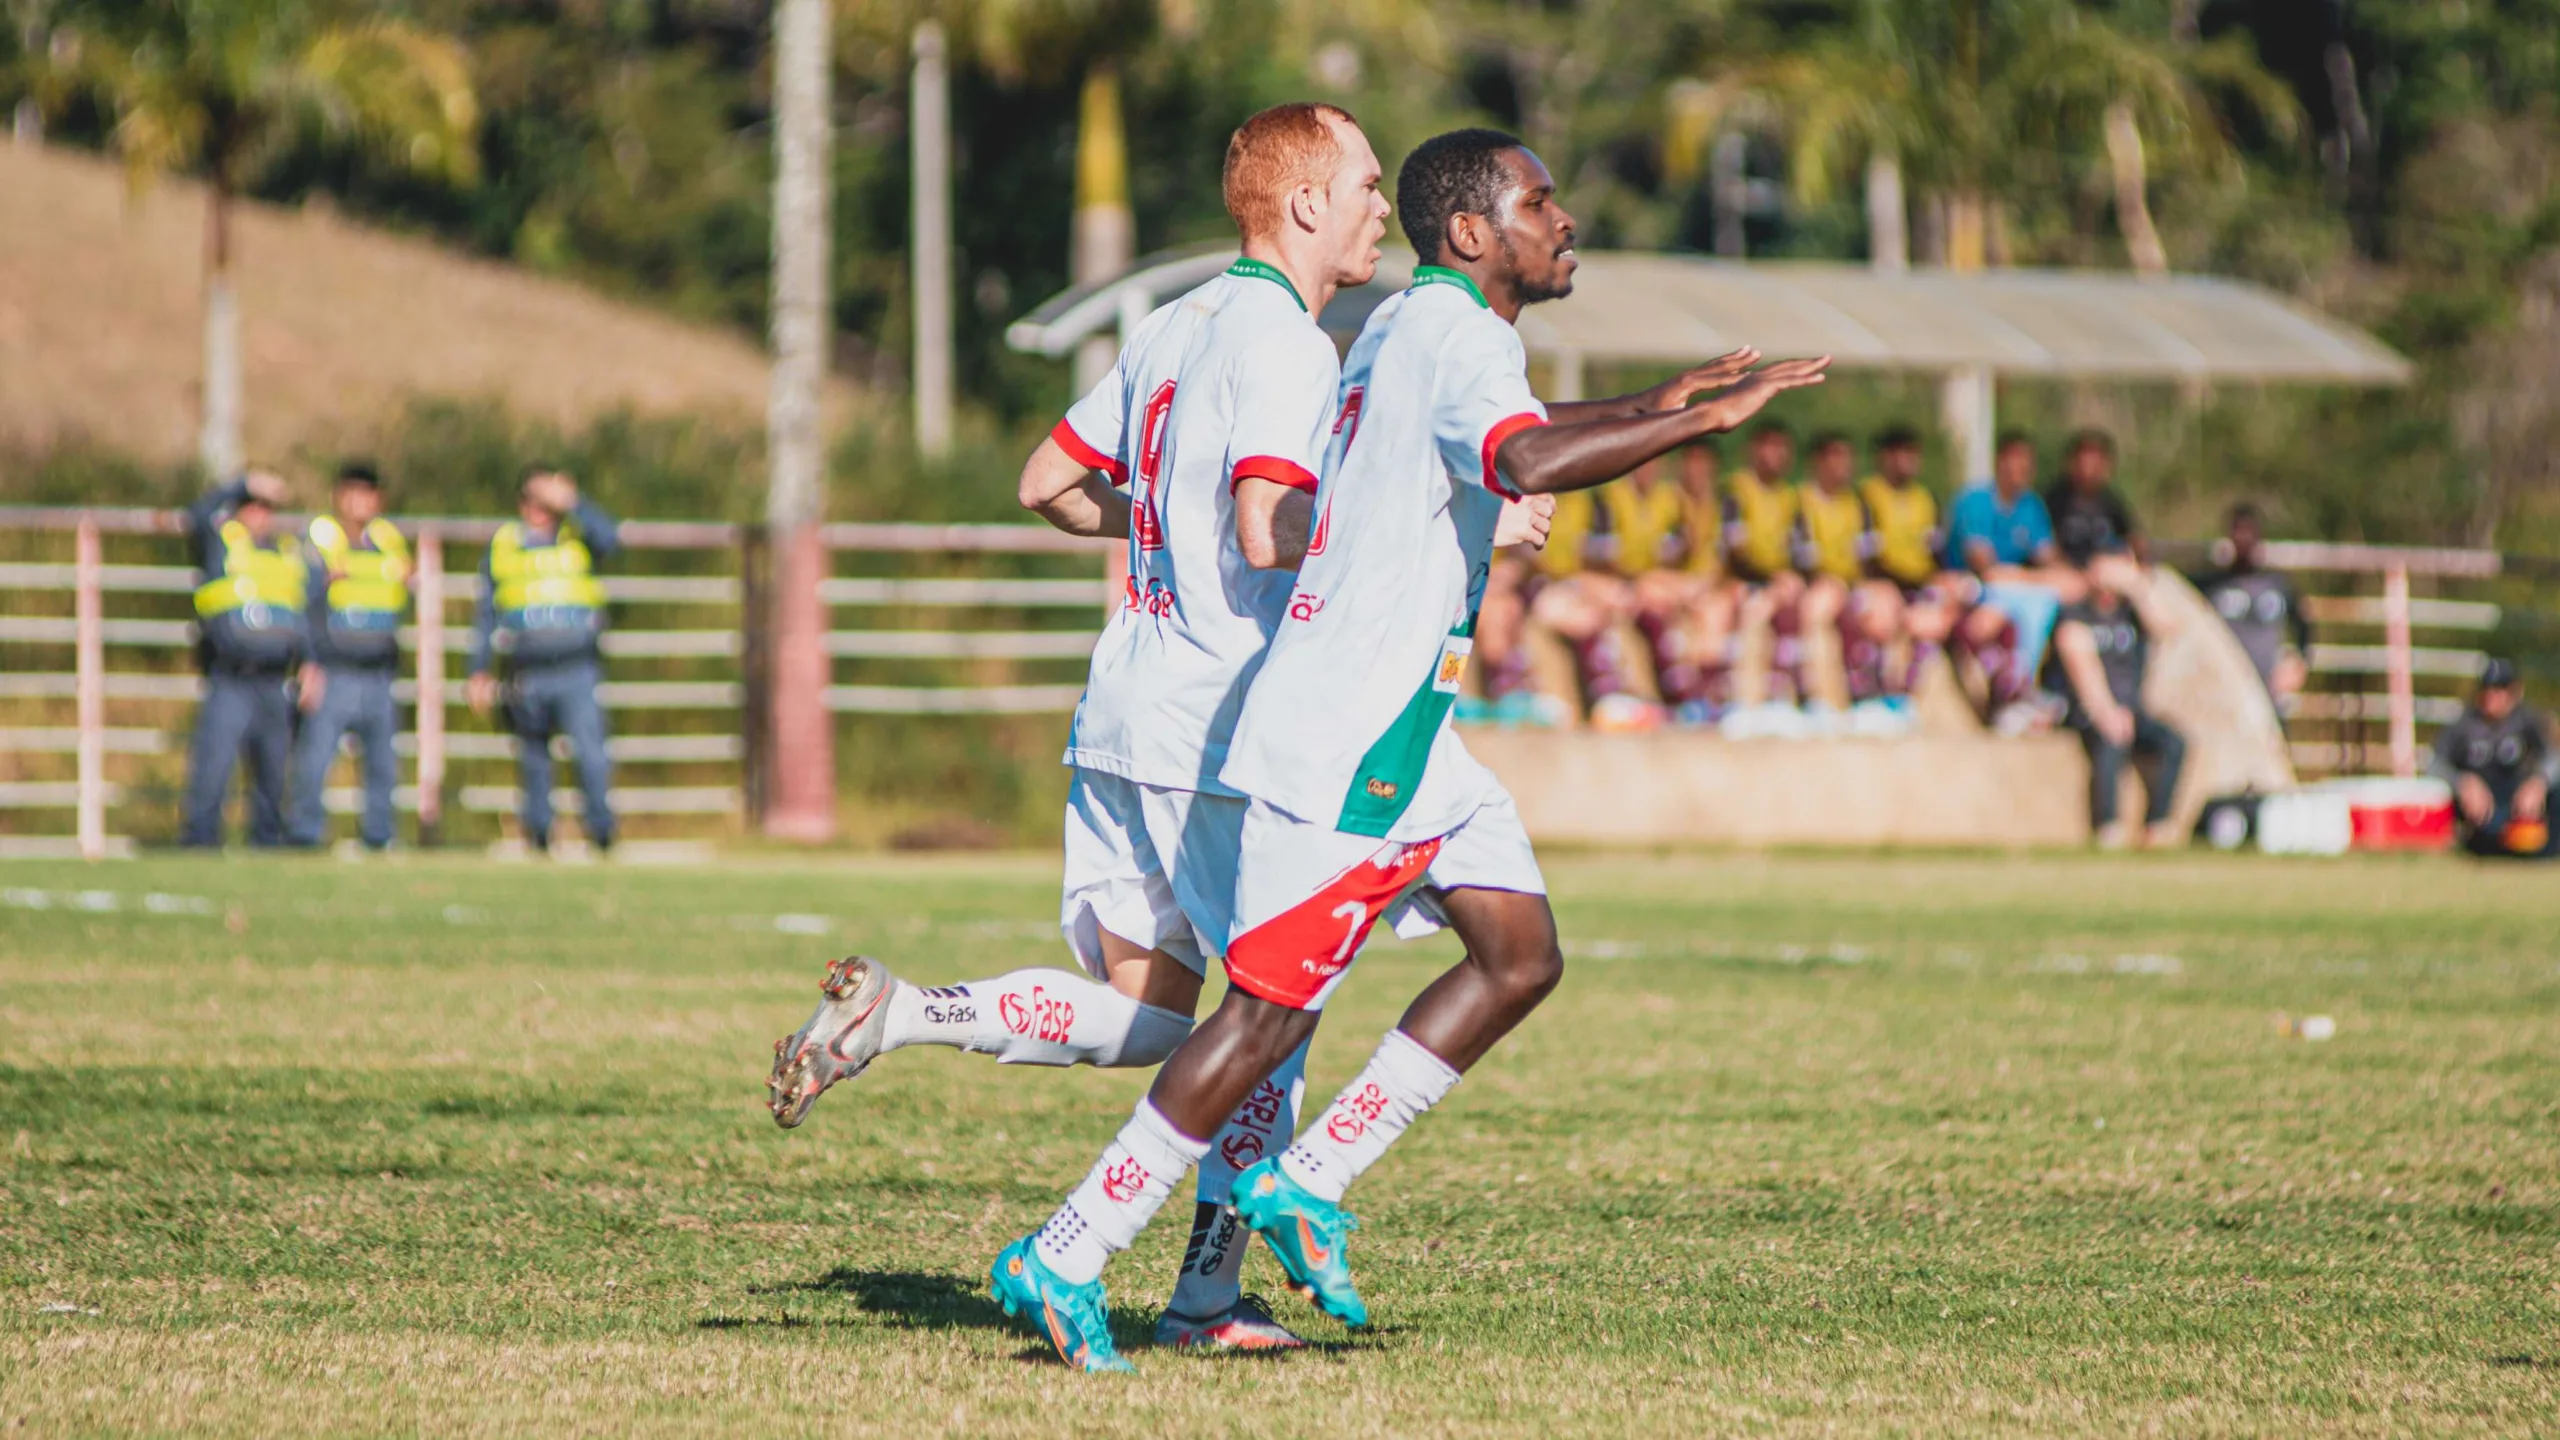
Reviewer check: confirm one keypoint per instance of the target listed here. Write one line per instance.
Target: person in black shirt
(2499, 760)
(2262, 608)
(2101, 649)
(2090, 517)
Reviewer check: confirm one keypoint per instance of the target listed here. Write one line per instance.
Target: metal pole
(89, 688)
(430, 685)
(929, 160)
(2396, 670)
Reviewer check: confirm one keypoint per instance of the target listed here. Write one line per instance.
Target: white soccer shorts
(1154, 866)
(1307, 894)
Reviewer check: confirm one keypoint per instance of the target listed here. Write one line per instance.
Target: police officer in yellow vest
(542, 610)
(251, 638)
(359, 587)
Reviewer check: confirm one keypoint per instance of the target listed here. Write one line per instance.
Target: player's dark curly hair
(1459, 173)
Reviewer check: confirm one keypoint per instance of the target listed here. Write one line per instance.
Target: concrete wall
(1679, 788)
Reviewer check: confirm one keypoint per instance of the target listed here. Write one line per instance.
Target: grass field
(1803, 1144)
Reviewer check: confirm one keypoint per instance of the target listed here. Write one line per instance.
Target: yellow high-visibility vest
(561, 573)
(360, 581)
(253, 575)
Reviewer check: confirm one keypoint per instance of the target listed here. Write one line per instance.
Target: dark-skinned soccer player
(1361, 801)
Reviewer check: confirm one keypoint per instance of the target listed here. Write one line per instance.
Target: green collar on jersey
(1443, 275)
(1264, 269)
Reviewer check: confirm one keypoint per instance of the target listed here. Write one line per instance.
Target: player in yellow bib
(1909, 539)
(1614, 556)
(1759, 556)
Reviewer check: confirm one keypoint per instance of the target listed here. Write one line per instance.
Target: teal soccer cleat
(1074, 1317)
(1306, 1235)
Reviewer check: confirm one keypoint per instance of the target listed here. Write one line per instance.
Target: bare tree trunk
(1106, 232)
(1730, 188)
(1888, 232)
(1929, 231)
(801, 789)
(929, 147)
(218, 440)
(2133, 204)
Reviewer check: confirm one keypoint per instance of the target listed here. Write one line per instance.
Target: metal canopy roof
(1668, 308)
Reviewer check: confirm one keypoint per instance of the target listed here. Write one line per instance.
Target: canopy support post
(1967, 397)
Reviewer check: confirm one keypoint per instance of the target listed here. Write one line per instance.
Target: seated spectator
(2002, 535)
(2262, 608)
(1636, 560)
(2499, 759)
(1908, 541)
(1502, 651)
(1759, 511)
(1604, 542)
(2102, 647)
(2089, 515)
(1836, 540)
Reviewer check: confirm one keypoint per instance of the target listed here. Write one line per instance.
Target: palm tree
(1964, 96)
(226, 87)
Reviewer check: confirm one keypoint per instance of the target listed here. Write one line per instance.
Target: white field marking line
(103, 902)
(2146, 964)
(1835, 953)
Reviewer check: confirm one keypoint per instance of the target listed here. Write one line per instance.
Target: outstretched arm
(1671, 394)
(1553, 458)
(1063, 491)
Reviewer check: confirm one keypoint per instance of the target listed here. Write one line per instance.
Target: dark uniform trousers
(245, 713)
(560, 699)
(354, 700)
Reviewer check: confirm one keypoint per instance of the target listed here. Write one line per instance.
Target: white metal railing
(712, 715)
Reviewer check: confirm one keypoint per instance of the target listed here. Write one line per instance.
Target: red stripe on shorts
(1290, 958)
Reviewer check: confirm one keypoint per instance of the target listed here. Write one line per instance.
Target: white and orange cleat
(839, 1041)
(1247, 1325)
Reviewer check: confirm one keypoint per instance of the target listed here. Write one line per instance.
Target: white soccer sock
(1213, 1263)
(1035, 1017)
(1125, 1189)
(1402, 1080)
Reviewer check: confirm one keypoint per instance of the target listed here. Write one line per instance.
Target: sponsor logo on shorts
(1122, 1182)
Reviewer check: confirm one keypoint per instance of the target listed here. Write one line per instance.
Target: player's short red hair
(1275, 152)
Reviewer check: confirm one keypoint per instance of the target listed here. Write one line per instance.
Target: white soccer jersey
(1232, 380)
(1347, 724)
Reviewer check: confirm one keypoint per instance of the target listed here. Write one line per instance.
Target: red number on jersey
(1146, 522)
(1346, 425)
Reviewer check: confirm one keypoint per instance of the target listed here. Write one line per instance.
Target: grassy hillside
(342, 326)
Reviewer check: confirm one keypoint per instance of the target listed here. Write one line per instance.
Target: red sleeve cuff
(1275, 470)
(1085, 455)
(1493, 439)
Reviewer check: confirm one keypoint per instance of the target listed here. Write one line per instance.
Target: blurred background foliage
(2397, 163)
